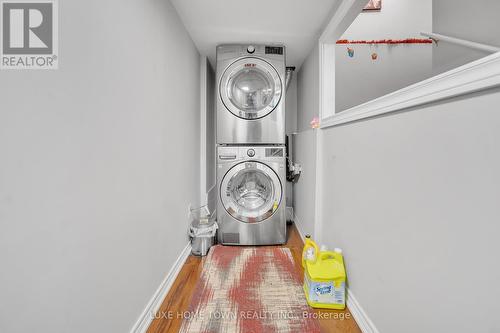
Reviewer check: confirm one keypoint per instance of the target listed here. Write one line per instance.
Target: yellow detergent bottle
(324, 279)
(310, 251)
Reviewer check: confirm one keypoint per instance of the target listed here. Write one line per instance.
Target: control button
(251, 49)
(251, 153)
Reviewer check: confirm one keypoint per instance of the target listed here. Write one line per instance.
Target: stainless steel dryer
(251, 94)
(251, 208)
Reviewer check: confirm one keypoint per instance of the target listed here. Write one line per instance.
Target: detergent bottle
(310, 251)
(324, 279)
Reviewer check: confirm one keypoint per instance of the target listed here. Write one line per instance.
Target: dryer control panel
(233, 51)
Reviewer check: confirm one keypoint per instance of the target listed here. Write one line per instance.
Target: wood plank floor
(169, 317)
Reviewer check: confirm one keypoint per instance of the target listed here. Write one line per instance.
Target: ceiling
(296, 23)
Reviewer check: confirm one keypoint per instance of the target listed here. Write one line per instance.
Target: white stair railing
(463, 42)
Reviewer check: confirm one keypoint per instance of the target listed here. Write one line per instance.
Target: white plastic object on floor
(202, 230)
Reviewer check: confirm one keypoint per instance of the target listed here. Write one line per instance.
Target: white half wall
(99, 161)
(412, 199)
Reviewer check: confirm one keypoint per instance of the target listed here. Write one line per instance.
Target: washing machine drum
(250, 88)
(251, 192)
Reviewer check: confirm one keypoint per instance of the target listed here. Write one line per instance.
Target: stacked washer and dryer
(251, 156)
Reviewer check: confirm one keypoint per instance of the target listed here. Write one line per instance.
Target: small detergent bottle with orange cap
(324, 277)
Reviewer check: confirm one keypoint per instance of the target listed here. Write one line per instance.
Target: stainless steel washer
(251, 207)
(251, 94)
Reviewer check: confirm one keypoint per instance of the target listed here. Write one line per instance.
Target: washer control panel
(229, 154)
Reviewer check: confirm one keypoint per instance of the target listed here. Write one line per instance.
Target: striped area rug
(249, 290)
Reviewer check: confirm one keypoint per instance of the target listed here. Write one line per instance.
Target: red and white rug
(249, 290)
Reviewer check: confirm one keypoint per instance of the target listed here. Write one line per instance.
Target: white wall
(210, 147)
(413, 199)
(207, 134)
(99, 161)
(398, 19)
(361, 79)
(291, 106)
(304, 191)
(305, 142)
(291, 127)
(308, 90)
(471, 20)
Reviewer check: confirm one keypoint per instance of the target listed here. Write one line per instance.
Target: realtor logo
(29, 34)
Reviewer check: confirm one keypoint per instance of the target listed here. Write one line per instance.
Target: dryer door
(251, 192)
(250, 88)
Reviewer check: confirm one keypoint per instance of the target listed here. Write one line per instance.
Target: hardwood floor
(169, 318)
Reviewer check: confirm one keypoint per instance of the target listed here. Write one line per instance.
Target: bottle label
(325, 292)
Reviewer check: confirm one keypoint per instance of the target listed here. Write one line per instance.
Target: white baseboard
(297, 223)
(359, 315)
(142, 324)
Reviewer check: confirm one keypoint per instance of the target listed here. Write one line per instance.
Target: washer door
(251, 192)
(250, 88)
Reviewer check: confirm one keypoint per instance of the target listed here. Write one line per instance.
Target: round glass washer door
(250, 88)
(251, 192)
